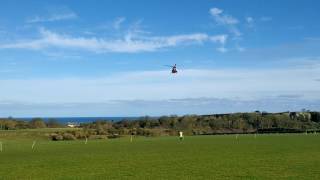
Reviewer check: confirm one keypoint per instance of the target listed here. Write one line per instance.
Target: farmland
(273, 156)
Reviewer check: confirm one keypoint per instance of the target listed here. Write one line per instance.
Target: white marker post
(86, 140)
(131, 138)
(33, 144)
(181, 135)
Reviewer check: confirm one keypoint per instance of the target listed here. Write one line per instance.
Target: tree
(53, 123)
(315, 116)
(10, 124)
(37, 123)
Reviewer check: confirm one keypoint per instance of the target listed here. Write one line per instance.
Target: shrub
(53, 123)
(98, 137)
(56, 137)
(68, 136)
(37, 123)
(80, 134)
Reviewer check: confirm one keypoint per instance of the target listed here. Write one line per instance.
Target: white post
(86, 140)
(181, 135)
(131, 138)
(33, 144)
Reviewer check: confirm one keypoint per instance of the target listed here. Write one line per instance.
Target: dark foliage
(255, 122)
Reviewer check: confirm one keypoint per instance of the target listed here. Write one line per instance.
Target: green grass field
(295, 156)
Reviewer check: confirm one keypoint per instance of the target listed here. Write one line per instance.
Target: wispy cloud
(202, 105)
(226, 20)
(310, 62)
(230, 23)
(239, 90)
(222, 49)
(222, 18)
(118, 21)
(240, 49)
(220, 38)
(188, 83)
(250, 21)
(128, 44)
(61, 14)
(61, 55)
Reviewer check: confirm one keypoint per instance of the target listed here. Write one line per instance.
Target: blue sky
(106, 58)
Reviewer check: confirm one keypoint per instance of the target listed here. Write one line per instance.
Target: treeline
(14, 124)
(255, 122)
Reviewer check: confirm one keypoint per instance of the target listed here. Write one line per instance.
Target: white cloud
(222, 49)
(60, 14)
(310, 62)
(226, 20)
(118, 21)
(221, 18)
(183, 106)
(245, 84)
(128, 44)
(249, 20)
(215, 11)
(240, 49)
(220, 38)
(174, 40)
(236, 32)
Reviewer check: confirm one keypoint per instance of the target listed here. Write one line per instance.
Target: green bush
(37, 123)
(68, 136)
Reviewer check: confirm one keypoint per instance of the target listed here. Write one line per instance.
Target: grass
(294, 156)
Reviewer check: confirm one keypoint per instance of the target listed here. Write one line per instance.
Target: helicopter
(174, 68)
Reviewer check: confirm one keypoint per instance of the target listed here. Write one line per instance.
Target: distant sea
(65, 120)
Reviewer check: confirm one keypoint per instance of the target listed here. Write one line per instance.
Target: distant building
(72, 125)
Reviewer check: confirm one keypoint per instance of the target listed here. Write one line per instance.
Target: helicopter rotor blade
(168, 66)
